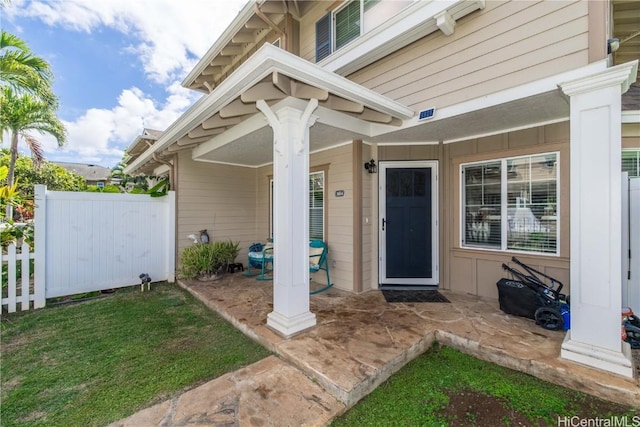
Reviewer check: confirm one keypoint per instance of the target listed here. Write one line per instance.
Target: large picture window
(316, 206)
(511, 204)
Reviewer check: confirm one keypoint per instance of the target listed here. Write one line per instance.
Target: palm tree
(23, 71)
(21, 113)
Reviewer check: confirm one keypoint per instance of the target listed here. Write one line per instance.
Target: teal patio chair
(262, 258)
(318, 260)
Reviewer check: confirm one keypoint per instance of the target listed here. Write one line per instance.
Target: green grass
(419, 393)
(94, 362)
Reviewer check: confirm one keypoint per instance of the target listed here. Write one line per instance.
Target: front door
(408, 223)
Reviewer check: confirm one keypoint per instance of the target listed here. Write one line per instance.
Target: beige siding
(505, 45)
(218, 198)
(339, 223)
(477, 271)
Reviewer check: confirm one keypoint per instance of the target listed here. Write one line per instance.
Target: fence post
(11, 270)
(26, 273)
(39, 237)
(171, 241)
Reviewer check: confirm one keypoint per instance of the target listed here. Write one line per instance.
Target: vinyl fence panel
(97, 241)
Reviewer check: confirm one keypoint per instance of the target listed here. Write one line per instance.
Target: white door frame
(382, 239)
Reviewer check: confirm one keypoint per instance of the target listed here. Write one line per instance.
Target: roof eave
(236, 25)
(269, 59)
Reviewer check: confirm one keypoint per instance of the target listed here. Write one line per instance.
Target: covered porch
(361, 340)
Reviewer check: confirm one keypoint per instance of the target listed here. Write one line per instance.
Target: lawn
(445, 387)
(94, 362)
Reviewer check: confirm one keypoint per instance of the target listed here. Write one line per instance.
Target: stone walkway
(359, 342)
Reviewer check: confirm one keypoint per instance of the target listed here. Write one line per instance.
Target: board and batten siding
(216, 197)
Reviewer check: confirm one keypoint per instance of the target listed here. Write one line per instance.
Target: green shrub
(207, 260)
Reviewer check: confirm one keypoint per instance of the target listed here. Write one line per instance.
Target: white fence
(631, 243)
(19, 287)
(94, 241)
(88, 242)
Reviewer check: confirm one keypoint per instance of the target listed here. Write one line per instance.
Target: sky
(117, 65)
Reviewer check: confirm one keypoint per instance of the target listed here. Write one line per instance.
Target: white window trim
(504, 225)
(410, 24)
(324, 203)
(334, 32)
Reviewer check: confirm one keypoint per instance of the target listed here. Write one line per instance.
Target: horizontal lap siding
(477, 271)
(504, 45)
(215, 197)
(339, 227)
(308, 31)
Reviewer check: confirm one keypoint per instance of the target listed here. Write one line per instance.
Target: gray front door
(408, 226)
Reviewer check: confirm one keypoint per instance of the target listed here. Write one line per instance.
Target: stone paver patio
(359, 342)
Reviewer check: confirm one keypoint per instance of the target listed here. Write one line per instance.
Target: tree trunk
(12, 166)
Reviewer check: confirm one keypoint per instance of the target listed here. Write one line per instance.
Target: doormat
(414, 296)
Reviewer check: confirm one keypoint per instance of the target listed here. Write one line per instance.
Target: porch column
(596, 220)
(290, 126)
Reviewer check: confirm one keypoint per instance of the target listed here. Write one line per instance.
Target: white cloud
(165, 34)
(101, 135)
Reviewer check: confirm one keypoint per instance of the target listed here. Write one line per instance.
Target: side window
(631, 162)
(316, 206)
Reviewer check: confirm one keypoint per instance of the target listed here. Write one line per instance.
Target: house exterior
(427, 142)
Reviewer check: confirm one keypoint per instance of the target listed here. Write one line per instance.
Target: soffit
(243, 36)
(229, 114)
(626, 28)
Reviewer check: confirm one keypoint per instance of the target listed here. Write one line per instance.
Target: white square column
(290, 126)
(596, 220)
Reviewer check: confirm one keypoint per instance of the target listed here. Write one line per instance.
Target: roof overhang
(229, 113)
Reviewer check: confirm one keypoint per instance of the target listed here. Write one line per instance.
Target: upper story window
(339, 27)
(511, 204)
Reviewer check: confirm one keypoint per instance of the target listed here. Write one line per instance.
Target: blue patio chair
(318, 260)
(260, 259)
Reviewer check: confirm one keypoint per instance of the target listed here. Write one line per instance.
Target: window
(336, 29)
(511, 204)
(316, 206)
(631, 162)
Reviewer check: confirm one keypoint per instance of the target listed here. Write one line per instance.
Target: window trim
(633, 150)
(504, 225)
(324, 169)
(334, 29)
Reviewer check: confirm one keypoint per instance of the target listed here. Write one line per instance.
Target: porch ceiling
(229, 113)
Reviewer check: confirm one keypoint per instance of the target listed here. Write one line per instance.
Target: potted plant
(207, 261)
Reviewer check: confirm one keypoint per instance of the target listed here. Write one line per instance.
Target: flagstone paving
(359, 342)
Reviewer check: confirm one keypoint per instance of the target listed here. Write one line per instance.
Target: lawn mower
(528, 295)
(630, 328)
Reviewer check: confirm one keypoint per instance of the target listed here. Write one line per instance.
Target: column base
(289, 326)
(597, 357)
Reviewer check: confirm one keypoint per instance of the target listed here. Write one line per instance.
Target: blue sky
(117, 64)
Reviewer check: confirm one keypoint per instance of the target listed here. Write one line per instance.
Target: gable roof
(89, 172)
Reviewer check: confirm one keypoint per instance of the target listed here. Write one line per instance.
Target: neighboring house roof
(141, 144)
(87, 171)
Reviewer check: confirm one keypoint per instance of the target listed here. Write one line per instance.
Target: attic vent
(427, 114)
